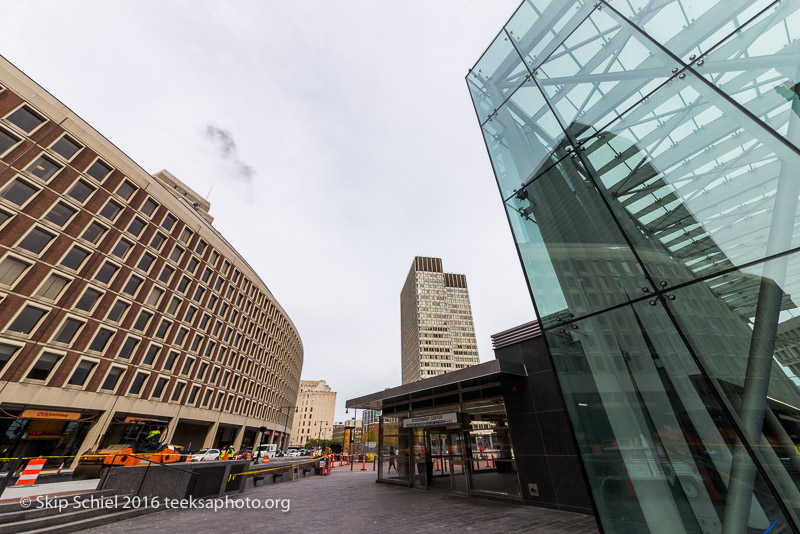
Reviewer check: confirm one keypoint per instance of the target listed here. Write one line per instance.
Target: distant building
(314, 416)
(370, 416)
(340, 428)
(437, 332)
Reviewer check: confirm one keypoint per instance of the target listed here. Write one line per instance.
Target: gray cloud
(226, 146)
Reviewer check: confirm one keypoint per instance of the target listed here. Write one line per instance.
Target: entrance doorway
(448, 460)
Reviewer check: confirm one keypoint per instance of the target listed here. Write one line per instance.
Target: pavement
(351, 501)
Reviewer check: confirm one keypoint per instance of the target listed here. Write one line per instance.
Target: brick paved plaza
(351, 501)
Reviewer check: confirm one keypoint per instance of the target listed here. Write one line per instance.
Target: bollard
(60, 468)
(363, 462)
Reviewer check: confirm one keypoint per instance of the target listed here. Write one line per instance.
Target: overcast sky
(353, 147)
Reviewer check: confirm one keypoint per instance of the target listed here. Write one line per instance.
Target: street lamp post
(286, 419)
(352, 435)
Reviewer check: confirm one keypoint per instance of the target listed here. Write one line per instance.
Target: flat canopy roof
(484, 372)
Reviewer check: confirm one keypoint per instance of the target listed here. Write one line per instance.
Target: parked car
(293, 454)
(280, 454)
(204, 455)
(244, 454)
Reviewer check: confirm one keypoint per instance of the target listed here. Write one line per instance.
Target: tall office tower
(314, 417)
(437, 334)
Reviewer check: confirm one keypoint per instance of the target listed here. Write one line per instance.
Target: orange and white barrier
(31, 472)
(60, 468)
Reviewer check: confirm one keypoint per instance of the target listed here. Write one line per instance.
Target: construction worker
(230, 452)
(153, 435)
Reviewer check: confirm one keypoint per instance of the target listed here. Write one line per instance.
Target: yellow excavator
(141, 443)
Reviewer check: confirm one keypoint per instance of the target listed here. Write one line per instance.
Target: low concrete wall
(196, 479)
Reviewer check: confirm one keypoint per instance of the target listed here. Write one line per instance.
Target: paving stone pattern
(351, 501)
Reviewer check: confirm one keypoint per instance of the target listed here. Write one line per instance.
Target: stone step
(91, 522)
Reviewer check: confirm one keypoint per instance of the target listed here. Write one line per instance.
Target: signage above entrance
(431, 420)
(47, 414)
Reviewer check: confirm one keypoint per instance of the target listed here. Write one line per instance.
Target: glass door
(459, 464)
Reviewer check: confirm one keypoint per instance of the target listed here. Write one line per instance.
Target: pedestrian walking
(391, 461)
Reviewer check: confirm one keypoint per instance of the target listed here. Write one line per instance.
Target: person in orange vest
(224, 455)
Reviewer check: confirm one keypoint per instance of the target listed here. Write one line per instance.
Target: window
(133, 284)
(111, 210)
(136, 226)
(7, 141)
(211, 301)
(106, 273)
(18, 192)
(173, 305)
(126, 190)
(68, 330)
(25, 119)
(166, 273)
(122, 248)
(181, 336)
(6, 352)
(112, 378)
(176, 395)
(88, 300)
(158, 240)
(201, 246)
(65, 147)
(53, 287)
(74, 258)
(198, 294)
(159, 389)
(117, 310)
(155, 296)
(177, 252)
(146, 261)
(193, 395)
(184, 283)
(150, 357)
(204, 321)
(207, 396)
(214, 258)
(142, 320)
(169, 221)
(60, 214)
(101, 339)
(43, 366)
(98, 170)
(81, 373)
(162, 329)
(202, 370)
(27, 320)
(190, 314)
(196, 343)
(206, 274)
(187, 366)
(192, 265)
(138, 382)
(11, 269)
(80, 191)
(170, 363)
(127, 348)
(218, 283)
(93, 232)
(36, 240)
(4, 216)
(149, 206)
(186, 235)
(43, 168)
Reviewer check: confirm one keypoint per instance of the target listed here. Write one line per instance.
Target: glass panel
(696, 184)
(694, 26)
(7, 141)
(497, 74)
(601, 70)
(758, 67)
(422, 466)
(60, 214)
(657, 447)
(574, 255)
(520, 138)
(65, 147)
(18, 192)
(743, 326)
(27, 320)
(43, 168)
(25, 119)
(539, 26)
(36, 241)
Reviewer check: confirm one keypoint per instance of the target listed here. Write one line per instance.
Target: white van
(267, 450)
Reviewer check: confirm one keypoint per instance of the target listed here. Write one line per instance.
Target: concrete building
(119, 300)
(437, 332)
(314, 416)
(342, 428)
